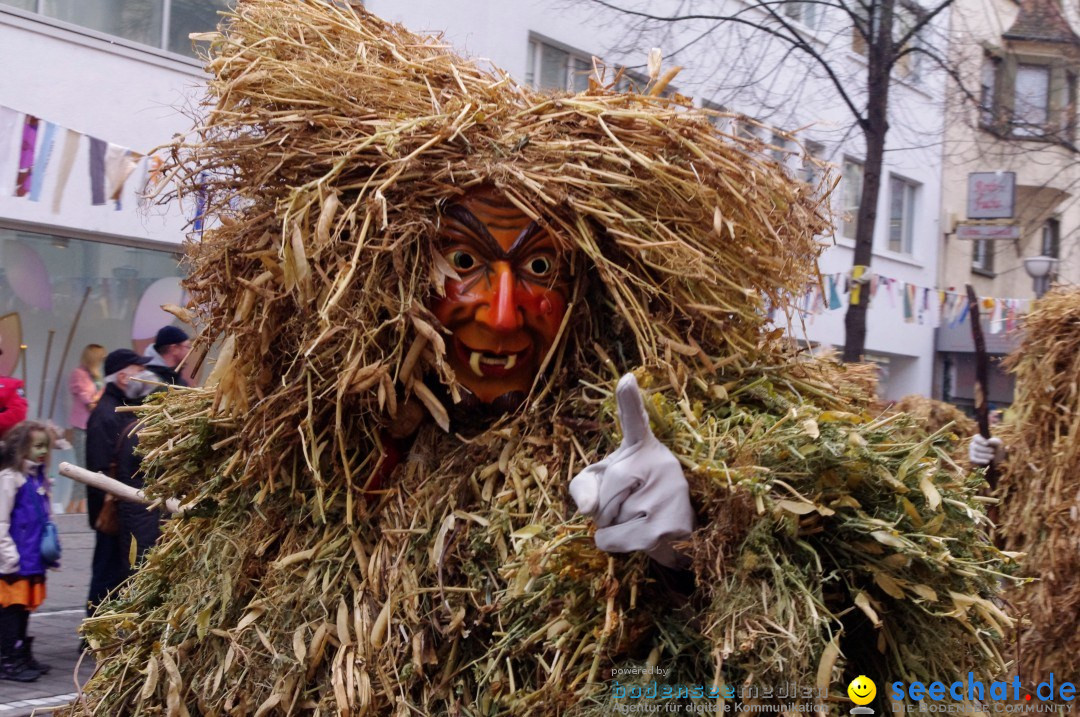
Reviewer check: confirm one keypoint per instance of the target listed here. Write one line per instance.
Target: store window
(852, 196)
(58, 294)
(164, 24)
(901, 214)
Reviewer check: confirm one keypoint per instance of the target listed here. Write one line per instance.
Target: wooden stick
(982, 380)
(113, 486)
(44, 374)
(67, 347)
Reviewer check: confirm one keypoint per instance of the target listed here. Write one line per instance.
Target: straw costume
(1039, 486)
(359, 544)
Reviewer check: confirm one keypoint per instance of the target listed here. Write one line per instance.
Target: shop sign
(991, 195)
(987, 231)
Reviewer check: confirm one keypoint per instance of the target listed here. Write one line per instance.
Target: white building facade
(89, 90)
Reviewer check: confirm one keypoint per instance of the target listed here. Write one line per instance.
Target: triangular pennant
(26, 156)
(41, 161)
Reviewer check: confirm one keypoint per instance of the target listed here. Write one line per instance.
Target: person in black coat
(106, 431)
(170, 348)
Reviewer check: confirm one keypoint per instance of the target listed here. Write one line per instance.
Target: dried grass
(1040, 483)
(832, 539)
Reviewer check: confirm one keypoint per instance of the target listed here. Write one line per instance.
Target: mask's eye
(462, 260)
(540, 265)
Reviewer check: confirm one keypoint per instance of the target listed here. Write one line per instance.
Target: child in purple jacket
(24, 510)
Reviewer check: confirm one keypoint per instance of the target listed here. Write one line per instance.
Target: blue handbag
(50, 538)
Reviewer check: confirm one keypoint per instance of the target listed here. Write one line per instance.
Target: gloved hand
(983, 451)
(638, 495)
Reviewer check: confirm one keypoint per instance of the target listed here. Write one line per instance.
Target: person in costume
(503, 310)
(24, 510)
(12, 402)
(452, 312)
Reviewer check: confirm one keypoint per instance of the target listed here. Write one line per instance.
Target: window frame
(909, 206)
(796, 10)
(1023, 127)
(982, 257)
(722, 124)
(37, 13)
(534, 64)
(1050, 238)
(808, 171)
(849, 209)
(997, 106)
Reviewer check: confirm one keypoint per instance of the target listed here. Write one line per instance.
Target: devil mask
(508, 299)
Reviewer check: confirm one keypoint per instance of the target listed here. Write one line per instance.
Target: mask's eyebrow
(525, 240)
(483, 236)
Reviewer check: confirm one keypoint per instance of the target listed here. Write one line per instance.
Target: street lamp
(1039, 268)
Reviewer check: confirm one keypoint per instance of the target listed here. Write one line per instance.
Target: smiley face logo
(862, 690)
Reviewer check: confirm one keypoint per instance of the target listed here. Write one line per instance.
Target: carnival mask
(506, 306)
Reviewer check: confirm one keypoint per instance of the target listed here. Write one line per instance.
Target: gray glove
(984, 451)
(638, 495)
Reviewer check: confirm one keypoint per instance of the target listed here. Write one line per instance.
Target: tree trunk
(874, 127)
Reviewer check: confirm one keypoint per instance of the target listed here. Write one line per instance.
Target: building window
(778, 149)
(720, 122)
(987, 89)
(1032, 98)
(812, 171)
(1031, 101)
(852, 196)
(748, 128)
(982, 255)
(163, 24)
(909, 65)
(1068, 119)
(901, 215)
(553, 68)
(49, 280)
(1051, 238)
(805, 13)
(860, 29)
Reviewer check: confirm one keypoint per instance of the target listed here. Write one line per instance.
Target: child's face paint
(39, 447)
(505, 309)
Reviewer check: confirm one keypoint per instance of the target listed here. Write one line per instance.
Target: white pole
(113, 486)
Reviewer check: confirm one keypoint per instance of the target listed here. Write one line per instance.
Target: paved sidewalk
(54, 628)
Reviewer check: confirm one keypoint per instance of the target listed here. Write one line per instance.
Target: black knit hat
(169, 335)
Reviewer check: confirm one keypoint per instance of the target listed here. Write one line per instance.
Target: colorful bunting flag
(26, 156)
(67, 161)
(41, 162)
(98, 148)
